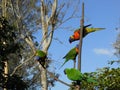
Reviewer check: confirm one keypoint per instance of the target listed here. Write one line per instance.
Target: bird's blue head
(71, 39)
(77, 46)
(37, 58)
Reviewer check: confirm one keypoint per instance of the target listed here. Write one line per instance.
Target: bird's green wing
(78, 29)
(40, 53)
(71, 55)
(74, 74)
(89, 30)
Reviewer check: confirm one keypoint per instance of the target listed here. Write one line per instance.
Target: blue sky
(97, 47)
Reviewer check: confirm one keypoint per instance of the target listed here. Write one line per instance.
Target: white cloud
(103, 51)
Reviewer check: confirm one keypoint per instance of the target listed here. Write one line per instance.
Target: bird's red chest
(77, 50)
(76, 35)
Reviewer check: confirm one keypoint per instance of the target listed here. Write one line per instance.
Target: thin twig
(21, 64)
(56, 78)
(74, 63)
(63, 82)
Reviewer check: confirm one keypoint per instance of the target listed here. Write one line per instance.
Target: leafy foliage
(7, 38)
(116, 45)
(106, 78)
(15, 82)
(109, 79)
(8, 45)
(28, 21)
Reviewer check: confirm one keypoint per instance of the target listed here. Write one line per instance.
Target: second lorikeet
(40, 57)
(71, 55)
(76, 35)
(73, 74)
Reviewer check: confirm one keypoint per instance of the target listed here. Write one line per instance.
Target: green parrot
(86, 31)
(41, 53)
(73, 74)
(40, 57)
(71, 55)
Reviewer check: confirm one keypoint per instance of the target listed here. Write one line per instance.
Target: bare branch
(54, 7)
(63, 82)
(56, 78)
(21, 64)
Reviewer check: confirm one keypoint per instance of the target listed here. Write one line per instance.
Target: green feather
(71, 55)
(74, 74)
(40, 53)
(86, 31)
(89, 30)
(42, 56)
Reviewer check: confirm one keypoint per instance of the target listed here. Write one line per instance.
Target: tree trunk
(47, 37)
(5, 71)
(4, 2)
(80, 43)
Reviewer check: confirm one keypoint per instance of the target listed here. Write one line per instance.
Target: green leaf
(91, 80)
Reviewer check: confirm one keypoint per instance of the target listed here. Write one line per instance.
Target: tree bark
(6, 71)
(47, 37)
(80, 43)
(4, 2)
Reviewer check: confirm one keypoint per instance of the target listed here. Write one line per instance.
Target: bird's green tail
(93, 29)
(62, 64)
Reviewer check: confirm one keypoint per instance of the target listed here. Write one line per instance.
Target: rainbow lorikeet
(76, 35)
(71, 55)
(40, 57)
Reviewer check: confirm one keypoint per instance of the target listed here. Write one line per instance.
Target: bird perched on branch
(71, 55)
(40, 57)
(86, 30)
(73, 74)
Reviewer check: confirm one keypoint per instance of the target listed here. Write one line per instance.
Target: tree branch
(56, 78)
(52, 19)
(21, 65)
(63, 82)
(81, 37)
(54, 7)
